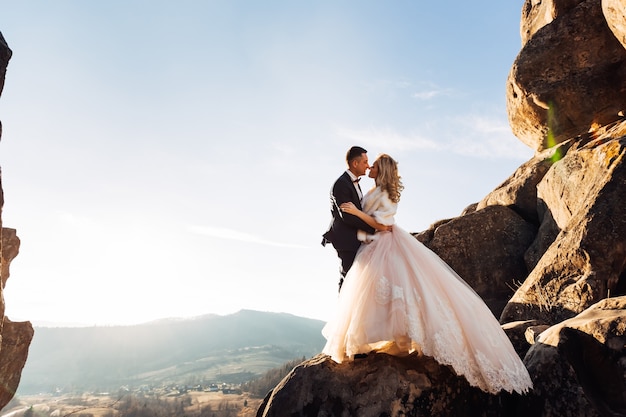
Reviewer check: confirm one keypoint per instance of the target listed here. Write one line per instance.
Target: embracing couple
(398, 297)
(347, 230)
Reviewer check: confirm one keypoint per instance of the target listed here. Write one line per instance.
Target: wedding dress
(400, 292)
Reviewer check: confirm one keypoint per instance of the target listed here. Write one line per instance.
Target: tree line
(259, 387)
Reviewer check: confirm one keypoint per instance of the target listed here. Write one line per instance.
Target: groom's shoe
(360, 356)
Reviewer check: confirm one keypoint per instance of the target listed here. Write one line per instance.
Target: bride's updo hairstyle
(388, 178)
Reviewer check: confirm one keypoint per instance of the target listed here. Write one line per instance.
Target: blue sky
(172, 159)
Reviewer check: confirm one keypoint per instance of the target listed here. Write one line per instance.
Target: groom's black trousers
(347, 259)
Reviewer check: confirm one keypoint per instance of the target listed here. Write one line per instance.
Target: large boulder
(583, 355)
(569, 77)
(486, 248)
(380, 385)
(16, 338)
(584, 197)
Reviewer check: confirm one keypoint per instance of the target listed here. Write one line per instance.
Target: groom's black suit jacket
(343, 228)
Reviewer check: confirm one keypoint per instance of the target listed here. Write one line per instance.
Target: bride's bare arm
(351, 209)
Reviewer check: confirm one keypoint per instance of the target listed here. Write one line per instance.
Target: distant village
(169, 390)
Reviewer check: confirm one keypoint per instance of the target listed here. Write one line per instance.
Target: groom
(342, 232)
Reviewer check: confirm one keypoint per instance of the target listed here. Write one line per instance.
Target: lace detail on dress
(510, 376)
(397, 293)
(386, 292)
(489, 372)
(383, 291)
(414, 322)
(447, 345)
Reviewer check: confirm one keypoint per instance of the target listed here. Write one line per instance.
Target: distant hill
(211, 348)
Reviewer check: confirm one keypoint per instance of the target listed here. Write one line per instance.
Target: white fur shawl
(377, 204)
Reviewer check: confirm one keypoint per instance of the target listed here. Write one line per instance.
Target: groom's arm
(343, 194)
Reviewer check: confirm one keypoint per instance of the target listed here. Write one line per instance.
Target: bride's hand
(348, 207)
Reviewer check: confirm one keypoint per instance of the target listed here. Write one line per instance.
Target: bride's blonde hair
(388, 178)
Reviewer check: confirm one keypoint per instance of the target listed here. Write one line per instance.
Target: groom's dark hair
(354, 152)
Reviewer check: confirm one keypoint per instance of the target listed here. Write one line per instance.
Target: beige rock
(532, 333)
(536, 14)
(549, 229)
(615, 15)
(585, 353)
(604, 321)
(573, 182)
(558, 195)
(10, 249)
(587, 260)
(16, 338)
(569, 77)
(517, 332)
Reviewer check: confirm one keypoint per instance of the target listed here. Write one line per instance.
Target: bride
(400, 297)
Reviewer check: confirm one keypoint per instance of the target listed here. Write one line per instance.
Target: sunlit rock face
(548, 244)
(537, 14)
(615, 14)
(585, 351)
(570, 75)
(582, 257)
(15, 338)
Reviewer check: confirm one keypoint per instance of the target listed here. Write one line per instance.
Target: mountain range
(207, 349)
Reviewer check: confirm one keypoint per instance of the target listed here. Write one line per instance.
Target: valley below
(209, 366)
(139, 404)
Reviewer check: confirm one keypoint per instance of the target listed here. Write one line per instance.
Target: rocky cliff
(546, 249)
(14, 337)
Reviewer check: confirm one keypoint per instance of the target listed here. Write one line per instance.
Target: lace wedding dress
(398, 292)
